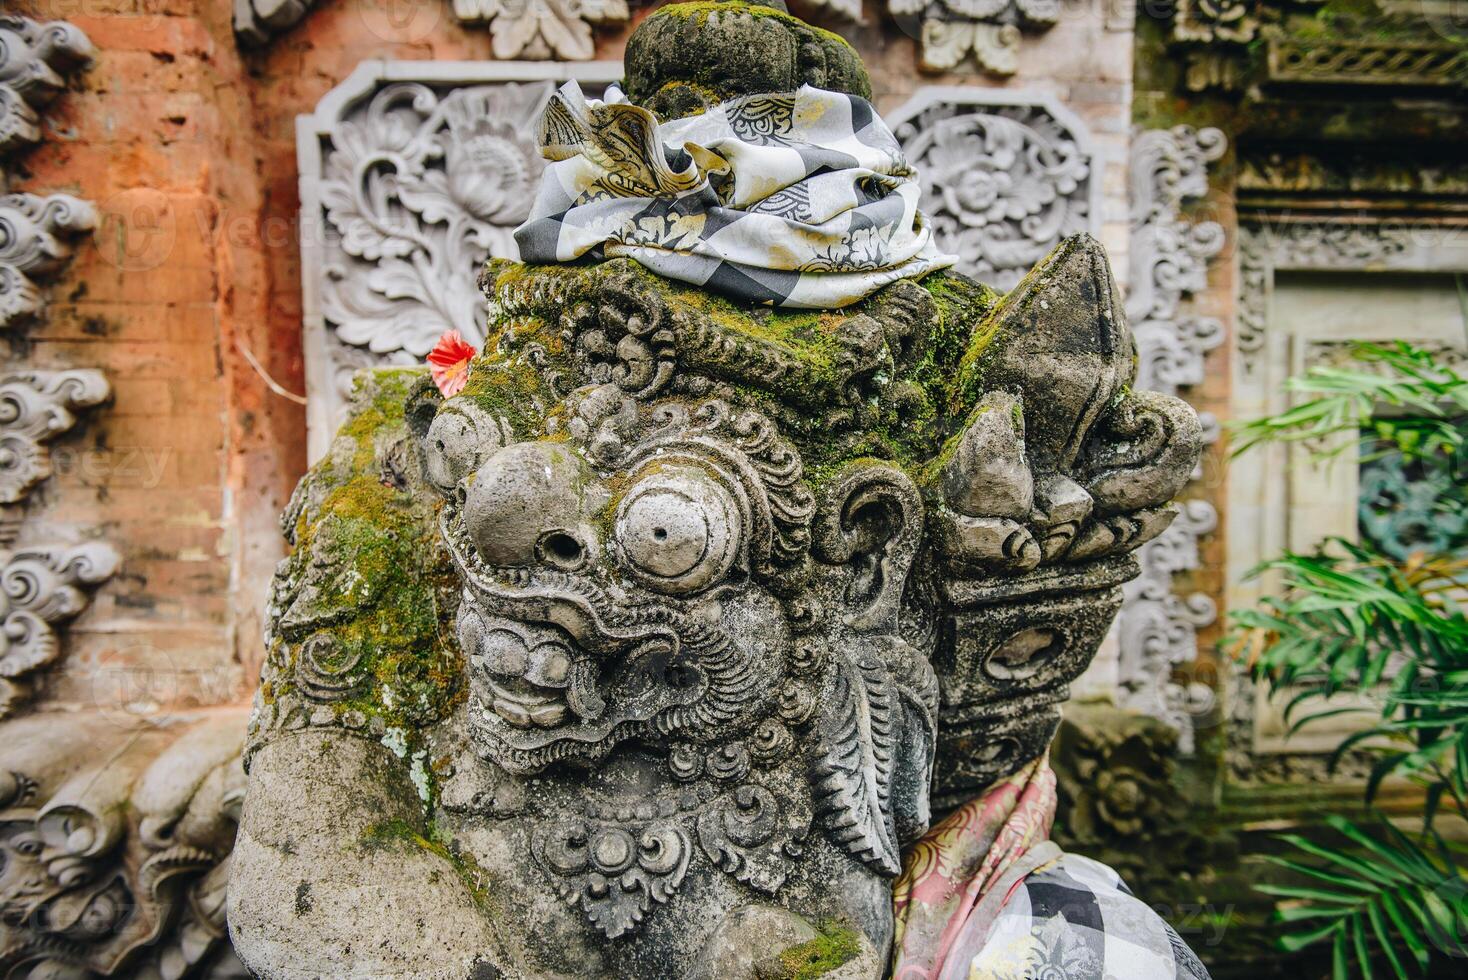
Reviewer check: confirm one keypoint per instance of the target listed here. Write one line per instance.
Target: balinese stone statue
(648, 652)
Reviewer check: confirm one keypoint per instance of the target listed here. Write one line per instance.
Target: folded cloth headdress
(801, 199)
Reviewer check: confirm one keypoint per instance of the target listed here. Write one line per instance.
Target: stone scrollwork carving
(1005, 176)
(36, 232)
(36, 407)
(415, 174)
(40, 587)
(990, 31)
(35, 59)
(36, 239)
(1170, 256)
(116, 837)
(538, 30)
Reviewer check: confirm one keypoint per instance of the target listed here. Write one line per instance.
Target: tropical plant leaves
(1384, 900)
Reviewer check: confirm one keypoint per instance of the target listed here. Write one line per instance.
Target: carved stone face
(615, 576)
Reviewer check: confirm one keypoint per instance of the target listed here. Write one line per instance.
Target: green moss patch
(835, 946)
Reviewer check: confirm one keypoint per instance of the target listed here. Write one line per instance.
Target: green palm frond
(1385, 901)
(1343, 400)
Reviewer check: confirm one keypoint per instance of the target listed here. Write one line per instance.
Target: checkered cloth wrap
(800, 199)
(1075, 918)
(985, 895)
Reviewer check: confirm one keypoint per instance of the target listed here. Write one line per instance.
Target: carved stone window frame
(1263, 482)
(314, 129)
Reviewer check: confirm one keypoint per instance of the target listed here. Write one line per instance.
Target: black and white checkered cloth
(1074, 919)
(801, 199)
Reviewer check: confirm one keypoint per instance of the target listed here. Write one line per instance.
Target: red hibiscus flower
(449, 362)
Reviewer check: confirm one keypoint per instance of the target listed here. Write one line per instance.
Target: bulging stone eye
(461, 437)
(678, 530)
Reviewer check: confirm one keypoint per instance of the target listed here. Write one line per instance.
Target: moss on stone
(687, 57)
(834, 946)
(368, 564)
(438, 843)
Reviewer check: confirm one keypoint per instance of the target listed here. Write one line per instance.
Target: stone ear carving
(870, 519)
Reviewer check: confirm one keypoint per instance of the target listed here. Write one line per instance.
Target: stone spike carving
(539, 30)
(1170, 256)
(36, 407)
(1005, 176)
(952, 30)
(258, 21)
(34, 62)
(417, 172)
(653, 644)
(116, 836)
(41, 587)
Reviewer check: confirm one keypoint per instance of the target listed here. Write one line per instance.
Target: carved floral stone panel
(413, 173)
(1005, 176)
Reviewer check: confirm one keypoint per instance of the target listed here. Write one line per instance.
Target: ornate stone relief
(542, 29)
(116, 837)
(1169, 257)
(36, 407)
(42, 587)
(612, 549)
(1304, 246)
(1269, 174)
(36, 232)
(989, 31)
(1376, 63)
(1209, 21)
(413, 173)
(34, 62)
(1005, 176)
(1273, 343)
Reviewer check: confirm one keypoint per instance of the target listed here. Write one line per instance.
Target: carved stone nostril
(560, 550)
(522, 496)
